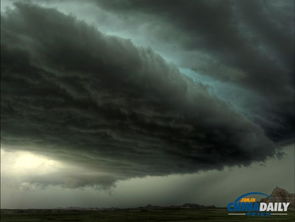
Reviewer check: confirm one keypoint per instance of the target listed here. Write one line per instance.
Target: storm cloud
(78, 95)
(247, 43)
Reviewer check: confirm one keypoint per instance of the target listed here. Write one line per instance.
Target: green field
(133, 215)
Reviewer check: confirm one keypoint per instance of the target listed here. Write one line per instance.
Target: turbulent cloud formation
(80, 96)
(249, 43)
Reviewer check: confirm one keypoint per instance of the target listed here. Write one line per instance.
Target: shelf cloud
(103, 103)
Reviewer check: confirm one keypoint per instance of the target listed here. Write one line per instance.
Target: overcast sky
(128, 103)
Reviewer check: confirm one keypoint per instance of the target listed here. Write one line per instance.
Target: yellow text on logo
(252, 199)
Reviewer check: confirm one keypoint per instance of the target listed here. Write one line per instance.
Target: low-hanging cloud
(96, 100)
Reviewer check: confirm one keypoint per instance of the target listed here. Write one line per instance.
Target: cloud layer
(249, 43)
(80, 96)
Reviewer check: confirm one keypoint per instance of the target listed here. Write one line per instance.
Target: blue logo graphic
(247, 204)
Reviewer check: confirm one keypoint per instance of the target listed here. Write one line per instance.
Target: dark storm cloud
(99, 101)
(216, 26)
(254, 38)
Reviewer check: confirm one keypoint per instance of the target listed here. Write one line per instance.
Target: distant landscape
(132, 215)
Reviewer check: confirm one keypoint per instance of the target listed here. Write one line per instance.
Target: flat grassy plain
(133, 215)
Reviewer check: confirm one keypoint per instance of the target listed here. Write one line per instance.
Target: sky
(128, 103)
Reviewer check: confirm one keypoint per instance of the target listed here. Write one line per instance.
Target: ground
(134, 215)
